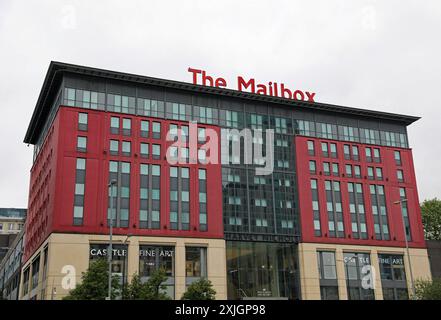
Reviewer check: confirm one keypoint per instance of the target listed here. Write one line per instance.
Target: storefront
(184, 261)
(393, 277)
(261, 270)
(119, 258)
(152, 258)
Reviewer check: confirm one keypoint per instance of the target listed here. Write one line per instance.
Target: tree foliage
(431, 215)
(428, 290)
(94, 284)
(153, 289)
(200, 290)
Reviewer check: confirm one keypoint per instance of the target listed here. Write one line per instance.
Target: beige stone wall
(73, 250)
(309, 273)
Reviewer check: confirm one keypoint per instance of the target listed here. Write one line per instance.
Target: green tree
(431, 215)
(153, 289)
(133, 291)
(94, 283)
(200, 290)
(428, 290)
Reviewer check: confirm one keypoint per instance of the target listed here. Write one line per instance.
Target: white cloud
(382, 55)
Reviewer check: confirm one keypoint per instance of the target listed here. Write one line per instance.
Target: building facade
(11, 220)
(306, 230)
(10, 268)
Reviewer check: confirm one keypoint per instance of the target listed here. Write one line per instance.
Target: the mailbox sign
(273, 89)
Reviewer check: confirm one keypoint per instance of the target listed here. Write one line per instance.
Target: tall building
(10, 268)
(314, 227)
(11, 223)
(11, 220)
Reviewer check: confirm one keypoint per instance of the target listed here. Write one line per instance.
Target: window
(347, 152)
(202, 174)
(315, 208)
(333, 147)
(355, 154)
(127, 127)
(120, 103)
(114, 147)
(152, 258)
(348, 133)
(393, 277)
(335, 171)
(206, 115)
(312, 167)
(144, 128)
(311, 150)
(405, 213)
(326, 169)
(81, 144)
(325, 149)
(327, 268)
(80, 179)
(370, 172)
(357, 211)
(377, 157)
(35, 272)
(202, 155)
(379, 173)
(397, 156)
(84, 98)
(156, 151)
(354, 263)
(126, 146)
(195, 263)
(114, 125)
(348, 170)
(370, 136)
(179, 198)
(368, 154)
(201, 135)
(147, 107)
(334, 209)
(144, 150)
(281, 125)
(256, 121)
(400, 176)
(82, 121)
(232, 119)
(379, 211)
(26, 275)
(120, 172)
(357, 171)
(156, 129)
(149, 212)
(327, 275)
(178, 111)
(306, 128)
(327, 130)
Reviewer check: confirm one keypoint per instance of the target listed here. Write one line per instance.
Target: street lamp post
(125, 261)
(110, 250)
(400, 202)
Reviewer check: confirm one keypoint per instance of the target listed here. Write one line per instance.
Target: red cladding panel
(390, 182)
(62, 144)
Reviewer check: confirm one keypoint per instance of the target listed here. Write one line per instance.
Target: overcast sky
(380, 55)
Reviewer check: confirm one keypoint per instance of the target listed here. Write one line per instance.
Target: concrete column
(341, 274)
(179, 269)
(132, 258)
(378, 290)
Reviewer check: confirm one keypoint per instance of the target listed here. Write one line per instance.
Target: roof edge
(55, 67)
